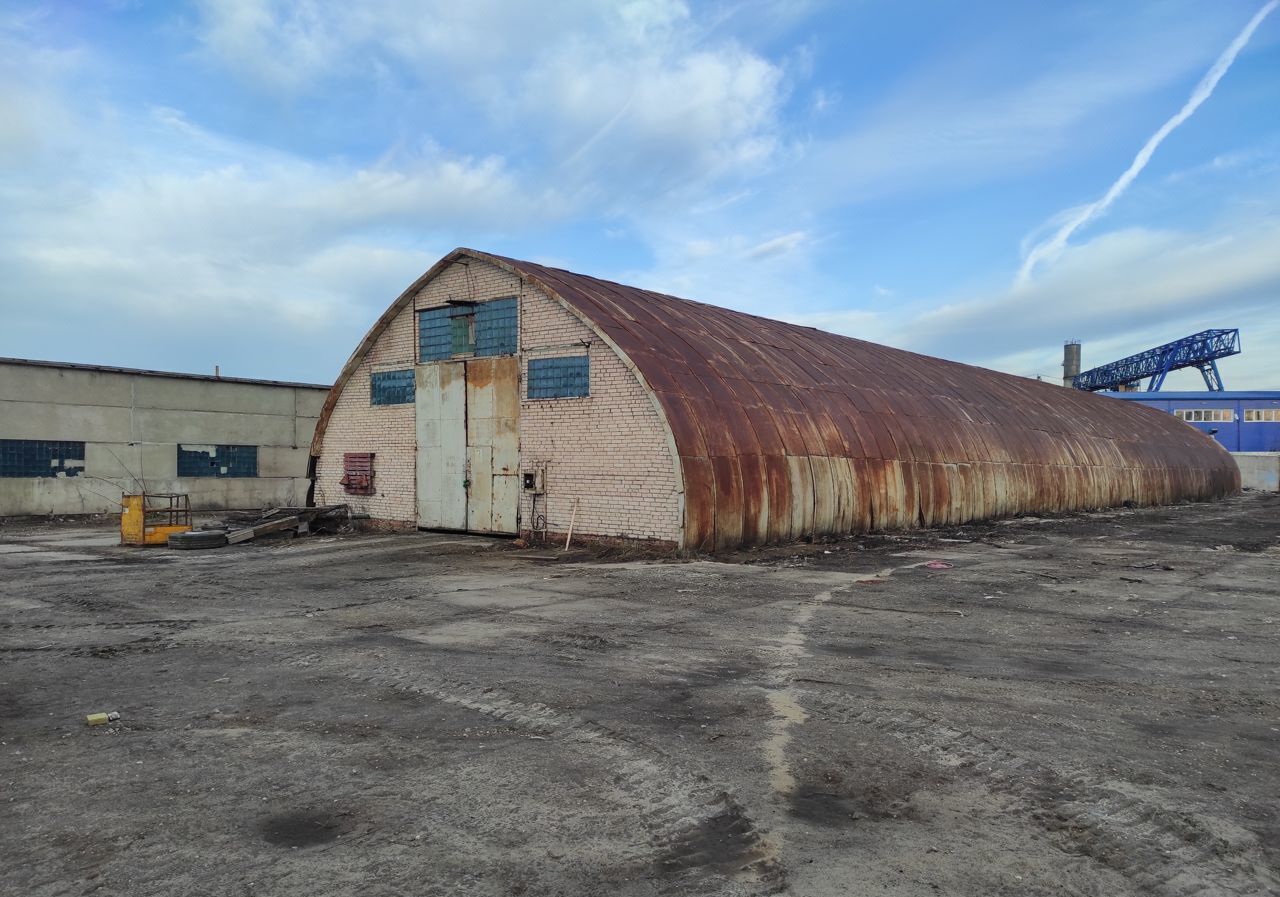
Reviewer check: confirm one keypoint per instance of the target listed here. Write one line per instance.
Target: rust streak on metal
(785, 431)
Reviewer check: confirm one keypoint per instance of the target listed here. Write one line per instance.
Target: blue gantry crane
(1200, 350)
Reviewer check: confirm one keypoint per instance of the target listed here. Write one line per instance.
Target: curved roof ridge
(524, 268)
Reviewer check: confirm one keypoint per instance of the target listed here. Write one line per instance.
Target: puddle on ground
(300, 829)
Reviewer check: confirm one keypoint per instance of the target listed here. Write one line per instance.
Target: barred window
(559, 378)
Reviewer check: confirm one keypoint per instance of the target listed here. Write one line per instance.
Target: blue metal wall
(1237, 434)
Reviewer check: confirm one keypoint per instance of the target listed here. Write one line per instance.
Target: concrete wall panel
(57, 495)
(212, 427)
(54, 386)
(208, 395)
(82, 423)
(159, 461)
(78, 495)
(282, 460)
(116, 461)
(1259, 470)
(309, 402)
(303, 429)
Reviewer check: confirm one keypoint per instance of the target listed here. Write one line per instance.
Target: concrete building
(501, 396)
(73, 437)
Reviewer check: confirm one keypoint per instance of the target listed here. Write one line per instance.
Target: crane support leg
(1212, 379)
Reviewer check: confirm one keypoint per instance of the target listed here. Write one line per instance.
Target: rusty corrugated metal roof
(785, 431)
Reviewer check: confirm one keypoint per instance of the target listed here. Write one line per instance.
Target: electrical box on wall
(534, 481)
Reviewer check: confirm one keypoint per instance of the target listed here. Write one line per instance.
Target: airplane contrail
(1050, 248)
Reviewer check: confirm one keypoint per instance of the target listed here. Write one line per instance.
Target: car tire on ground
(198, 539)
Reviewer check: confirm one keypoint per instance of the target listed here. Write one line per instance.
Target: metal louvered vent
(357, 473)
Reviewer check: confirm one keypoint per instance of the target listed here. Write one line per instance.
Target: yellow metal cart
(152, 517)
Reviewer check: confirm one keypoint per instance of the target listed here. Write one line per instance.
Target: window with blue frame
(217, 460)
(40, 458)
(559, 378)
(391, 387)
(481, 329)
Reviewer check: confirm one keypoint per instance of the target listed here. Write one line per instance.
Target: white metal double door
(469, 444)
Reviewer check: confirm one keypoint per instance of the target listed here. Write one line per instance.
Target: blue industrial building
(1241, 421)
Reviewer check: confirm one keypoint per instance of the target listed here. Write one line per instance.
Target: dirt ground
(1085, 705)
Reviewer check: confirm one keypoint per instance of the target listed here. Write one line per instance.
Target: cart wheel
(198, 539)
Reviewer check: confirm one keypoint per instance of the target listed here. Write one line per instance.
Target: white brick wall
(388, 430)
(608, 450)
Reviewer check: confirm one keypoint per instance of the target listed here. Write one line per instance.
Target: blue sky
(250, 183)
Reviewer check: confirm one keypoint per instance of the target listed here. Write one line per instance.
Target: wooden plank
(272, 526)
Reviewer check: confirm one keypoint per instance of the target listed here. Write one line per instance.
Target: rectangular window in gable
(217, 460)
(559, 378)
(473, 328)
(496, 327)
(40, 458)
(391, 387)
(434, 338)
(446, 331)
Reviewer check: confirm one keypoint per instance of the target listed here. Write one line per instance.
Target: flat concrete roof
(141, 372)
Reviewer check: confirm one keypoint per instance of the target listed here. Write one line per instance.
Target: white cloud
(634, 95)
(945, 128)
(33, 116)
(1050, 248)
(777, 246)
(858, 323)
(146, 217)
(664, 117)
(1131, 289)
(142, 222)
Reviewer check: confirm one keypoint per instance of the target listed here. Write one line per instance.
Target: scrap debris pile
(293, 521)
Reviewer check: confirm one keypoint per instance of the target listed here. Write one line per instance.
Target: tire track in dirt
(783, 695)
(1161, 849)
(695, 827)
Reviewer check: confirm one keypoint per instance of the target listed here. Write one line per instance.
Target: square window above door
(481, 329)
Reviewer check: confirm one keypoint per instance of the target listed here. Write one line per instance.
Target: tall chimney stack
(1070, 361)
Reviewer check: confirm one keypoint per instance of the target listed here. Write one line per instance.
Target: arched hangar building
(501, 396)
